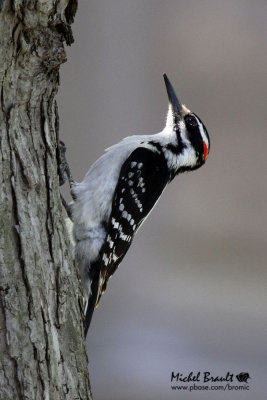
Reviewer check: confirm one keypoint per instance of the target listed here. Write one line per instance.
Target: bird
(120, 190)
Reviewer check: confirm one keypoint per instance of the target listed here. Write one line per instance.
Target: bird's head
(193, 141)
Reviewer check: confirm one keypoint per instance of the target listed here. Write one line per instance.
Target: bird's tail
(92, 299)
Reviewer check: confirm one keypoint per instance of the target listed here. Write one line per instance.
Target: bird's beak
(174, 102)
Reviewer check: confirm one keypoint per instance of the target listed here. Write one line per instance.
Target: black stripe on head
(193, 126)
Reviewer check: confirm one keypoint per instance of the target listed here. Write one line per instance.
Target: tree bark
(42, 349)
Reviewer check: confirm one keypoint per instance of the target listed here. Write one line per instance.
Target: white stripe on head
(202, 131)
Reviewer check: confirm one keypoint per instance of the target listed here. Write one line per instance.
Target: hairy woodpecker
(122, 187)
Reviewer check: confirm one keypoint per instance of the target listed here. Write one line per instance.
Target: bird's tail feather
(91, 302)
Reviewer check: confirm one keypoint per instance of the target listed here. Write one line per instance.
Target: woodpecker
(121, 188)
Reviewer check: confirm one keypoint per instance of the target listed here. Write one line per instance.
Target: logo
(206, 380)
(243, 377)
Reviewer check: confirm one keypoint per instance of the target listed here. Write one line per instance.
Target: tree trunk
(42, 349)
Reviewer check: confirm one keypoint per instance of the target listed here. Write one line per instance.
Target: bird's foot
(64, 168)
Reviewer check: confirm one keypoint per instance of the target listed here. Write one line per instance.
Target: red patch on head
(206, 151)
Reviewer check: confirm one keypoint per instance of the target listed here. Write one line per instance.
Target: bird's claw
(64, 168)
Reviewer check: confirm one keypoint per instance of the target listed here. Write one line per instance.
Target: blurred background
(191, 293)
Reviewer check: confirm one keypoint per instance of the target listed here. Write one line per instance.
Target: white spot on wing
(110, 242)
(114, 223)
(105, 259)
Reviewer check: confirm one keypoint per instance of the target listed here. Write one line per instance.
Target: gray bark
(42, 351)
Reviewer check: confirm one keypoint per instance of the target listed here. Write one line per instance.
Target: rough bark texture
(42, 353)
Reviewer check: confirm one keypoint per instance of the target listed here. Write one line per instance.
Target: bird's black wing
(143, 177)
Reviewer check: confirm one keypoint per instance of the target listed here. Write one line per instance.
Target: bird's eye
(191, 120)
